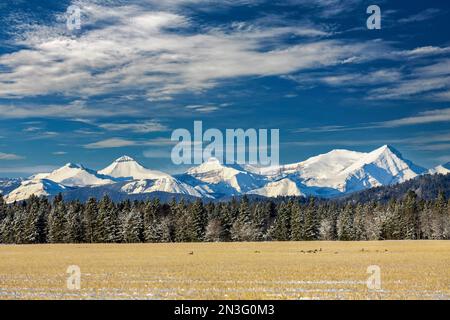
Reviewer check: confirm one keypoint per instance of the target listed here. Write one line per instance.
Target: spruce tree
(3, 208)
(90, 220)
(280, 230)
(297, 222)
(243, 228)
(132, 226)
(227, 220)
(74, 226)
(345, 223)
(199, 220)
(311, 224)
(410, 217)
(57, 221)
(34, 227)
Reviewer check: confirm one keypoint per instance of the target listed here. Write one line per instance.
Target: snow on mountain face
(442, 169)
(166, 184)
(75, 175)
(38, 188)
(383, 166)
(127, 168)
(334, 173)
(222, 179)
(283, 187)
(7, 185)
(344, 171)
(322, 170)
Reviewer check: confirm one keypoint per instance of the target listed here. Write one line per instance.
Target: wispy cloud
(157, 154)
(110, 143)
(120, 142)
(10, 156)
(203, 108)
(425, 117)
(74, 109)
(139, 127)
(28, 169)
(422, 51)
(432, 116)
(135, 47)
(421, 16)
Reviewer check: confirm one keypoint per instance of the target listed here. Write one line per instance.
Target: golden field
(271, 270)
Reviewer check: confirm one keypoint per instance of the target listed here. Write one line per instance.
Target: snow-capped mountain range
(335, 173)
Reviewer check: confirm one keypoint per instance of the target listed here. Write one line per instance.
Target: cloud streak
(10, 156)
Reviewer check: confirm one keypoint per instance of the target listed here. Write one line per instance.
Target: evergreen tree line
(39, 221)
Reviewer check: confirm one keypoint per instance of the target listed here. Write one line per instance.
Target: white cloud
(411, 87)
(139, 127)
(10, 156)
(439, 68)
(29, 169)
(422, 51)
(129, 47)
(432, 116)
(421, 16)
(72, 110)
(110, 143)
(357, 79)
(203, 108)
(119, 142)
(157, 154)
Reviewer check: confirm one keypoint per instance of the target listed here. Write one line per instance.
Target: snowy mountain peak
(387, 150)
(223, 179)
(383, 166)
(38, 188)
(73, 166)
(441, 169)
(127, 168)
(75, 175)
(213, 164)
(331, 174)
(125, 159)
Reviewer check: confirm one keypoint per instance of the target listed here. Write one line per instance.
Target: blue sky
(137, 70)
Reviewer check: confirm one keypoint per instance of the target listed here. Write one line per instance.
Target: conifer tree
(243, 228)
(3, 208)
(7, 227)
(297, 222)
(227, 220)
(359, 226)
(57, 221)
(311, 225)
(74, 227)
(132, 226)
(34, 226)
(345, 223)
(410, 217)
(90, 220)
(280, 229)
(199, 220)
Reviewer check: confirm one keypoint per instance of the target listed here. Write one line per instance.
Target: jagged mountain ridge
(332, 174)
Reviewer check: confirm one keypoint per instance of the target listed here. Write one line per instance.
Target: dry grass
(409, 270)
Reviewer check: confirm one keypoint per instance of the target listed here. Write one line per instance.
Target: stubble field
(273, 270)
